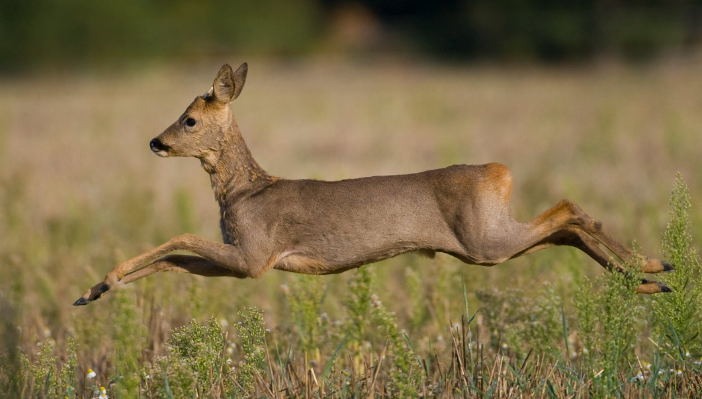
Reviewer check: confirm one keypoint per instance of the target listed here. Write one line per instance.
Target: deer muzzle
(159, 148)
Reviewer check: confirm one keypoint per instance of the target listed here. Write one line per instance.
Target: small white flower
(91, 373)
(679, 372)
(505, 346)
(687, 354)
(638, 376)
(103, 393)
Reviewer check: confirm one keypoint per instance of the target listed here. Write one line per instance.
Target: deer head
(200, 131)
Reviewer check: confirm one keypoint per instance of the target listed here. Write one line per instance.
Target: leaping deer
(322, 227)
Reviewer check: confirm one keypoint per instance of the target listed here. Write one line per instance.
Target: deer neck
(233, 170)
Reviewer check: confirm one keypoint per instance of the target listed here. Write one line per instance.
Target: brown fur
(319, 227)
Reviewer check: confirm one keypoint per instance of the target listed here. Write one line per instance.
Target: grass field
(80, 190)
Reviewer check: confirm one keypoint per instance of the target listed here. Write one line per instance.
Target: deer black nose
(156, 145)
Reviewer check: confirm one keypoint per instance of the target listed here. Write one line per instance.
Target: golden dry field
(80, 190)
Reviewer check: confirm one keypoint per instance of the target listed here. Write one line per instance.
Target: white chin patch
(161, 153)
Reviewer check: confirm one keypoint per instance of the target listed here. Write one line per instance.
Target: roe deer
(321, 227)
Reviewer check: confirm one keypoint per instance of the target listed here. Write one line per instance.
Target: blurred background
(596, 101)
(38, 33)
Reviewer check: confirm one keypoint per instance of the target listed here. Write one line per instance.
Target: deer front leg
(181, 264)
(171, 263)
(222, 255)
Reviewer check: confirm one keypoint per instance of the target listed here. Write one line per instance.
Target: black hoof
(664, 288)
(80, 302)
(667, 267)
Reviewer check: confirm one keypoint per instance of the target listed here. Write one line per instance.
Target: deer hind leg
(594, 228)
(567, 224)
(574, 237)
(577, 238)
(222, 255)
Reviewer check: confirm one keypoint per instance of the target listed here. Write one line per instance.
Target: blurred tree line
(35, 32)
(546, 29)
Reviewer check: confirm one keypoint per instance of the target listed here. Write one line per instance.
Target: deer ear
(228, 84)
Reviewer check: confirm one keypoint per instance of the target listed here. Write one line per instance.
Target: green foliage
(521, 321)
(679, 313)
(44, 377)
(11, 376)
(441, 292)
(252, 334)
(609, 324)
(305, 299)
(129, 338)
(42, 31)
(202, 346)
(67, 375)
(586, 307)
(42, 371)
(358, 303)
(405, 373)
(417, 308)
(620, 320)
(197, 363)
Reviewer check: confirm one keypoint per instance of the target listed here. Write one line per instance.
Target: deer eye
(190, 122)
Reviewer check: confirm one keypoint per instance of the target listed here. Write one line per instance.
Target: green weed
(679, 313)
(405, 372)
(305, 298)
(252, 334)
(358, 303)
(129, 339)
